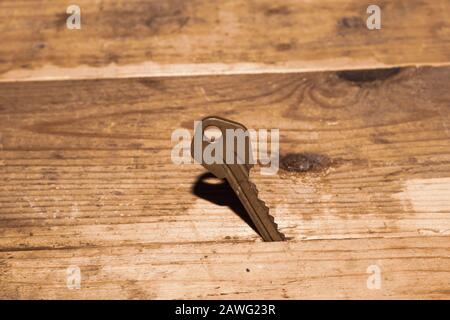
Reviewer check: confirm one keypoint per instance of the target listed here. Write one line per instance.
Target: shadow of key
(206, 187)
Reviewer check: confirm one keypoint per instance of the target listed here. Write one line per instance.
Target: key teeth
(255, 189)
(276, 226)
(283, 237)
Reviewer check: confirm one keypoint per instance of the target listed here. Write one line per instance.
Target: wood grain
(87, 180)
(129, 38)
(412, 268)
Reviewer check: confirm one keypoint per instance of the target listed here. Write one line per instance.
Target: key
(236, 173)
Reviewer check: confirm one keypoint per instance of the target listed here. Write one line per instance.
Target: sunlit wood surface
(87, 181)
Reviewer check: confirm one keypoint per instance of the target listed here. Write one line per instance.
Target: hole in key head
(212, 133)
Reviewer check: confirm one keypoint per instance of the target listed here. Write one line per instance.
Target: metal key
(237, 176)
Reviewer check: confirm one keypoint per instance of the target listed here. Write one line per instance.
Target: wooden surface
(86, 177)
(128, 38)
(87, 181)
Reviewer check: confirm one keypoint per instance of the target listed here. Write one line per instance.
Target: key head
(229, 146)
(234, 166)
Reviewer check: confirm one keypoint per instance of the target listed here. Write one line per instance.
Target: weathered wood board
(86, 180)
(128, 38)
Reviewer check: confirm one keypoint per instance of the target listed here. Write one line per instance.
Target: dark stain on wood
(368, 75)
(284, 46)
(380, 140)
(303, 162)
(280, 10)
(351, 23)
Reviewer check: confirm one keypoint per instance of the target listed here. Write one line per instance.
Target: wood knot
(367, 75)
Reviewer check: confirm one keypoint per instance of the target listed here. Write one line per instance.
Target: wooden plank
(411, 268)
(129, 38)
(86, 178)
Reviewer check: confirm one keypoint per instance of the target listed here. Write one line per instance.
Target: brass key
(236, 173)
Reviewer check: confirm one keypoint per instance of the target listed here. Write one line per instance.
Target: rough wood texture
(131, 37)
(87, 180)
(416, 267)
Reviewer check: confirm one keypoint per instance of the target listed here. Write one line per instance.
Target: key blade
(256, 208)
